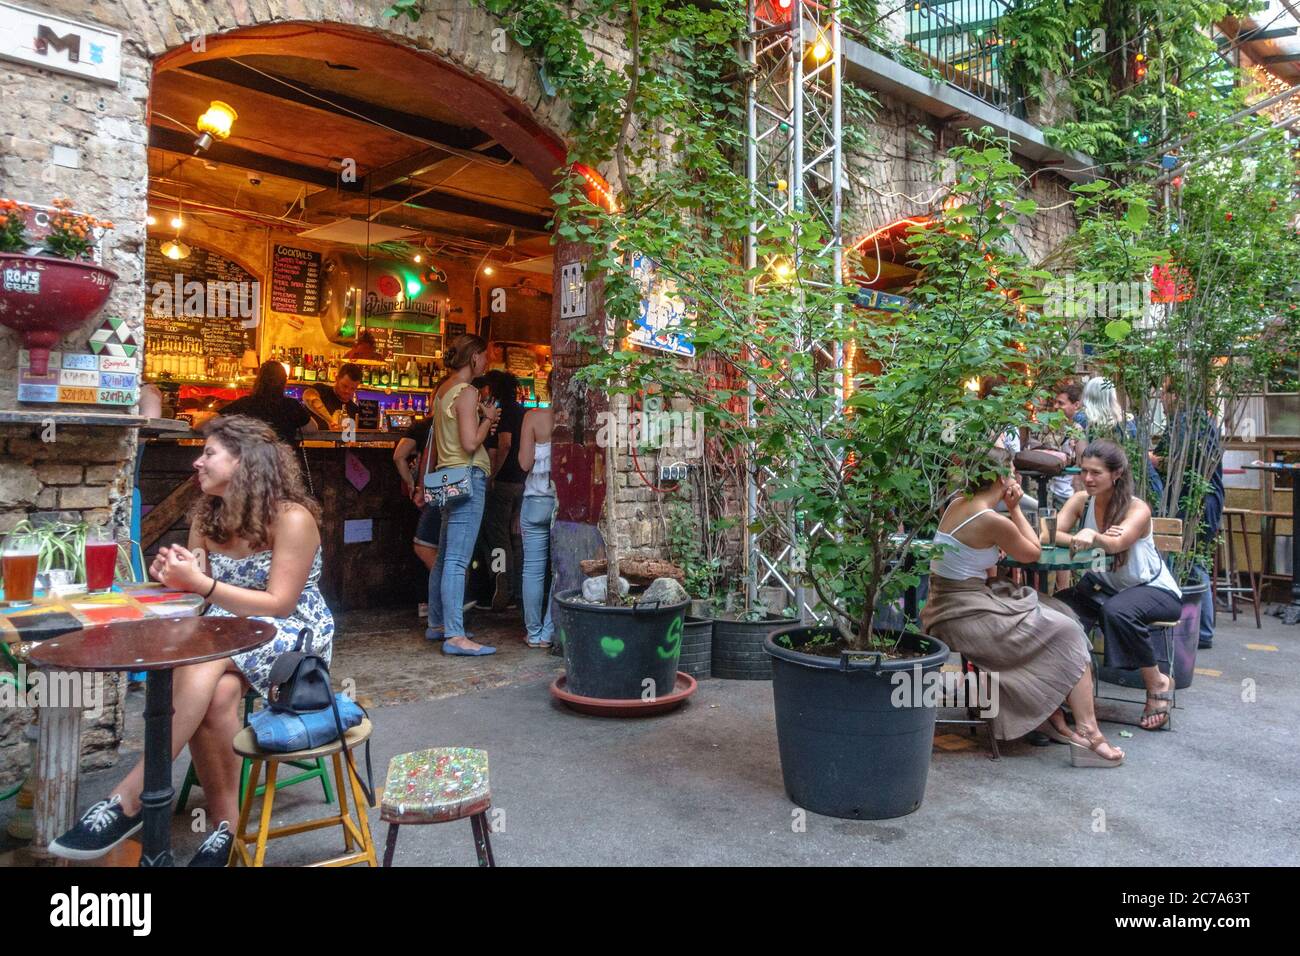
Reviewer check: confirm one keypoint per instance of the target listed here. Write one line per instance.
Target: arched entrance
(385, 167)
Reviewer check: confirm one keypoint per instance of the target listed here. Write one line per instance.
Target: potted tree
(50, 289)
(1221, 259)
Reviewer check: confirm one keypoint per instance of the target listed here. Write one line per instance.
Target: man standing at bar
(329, 406)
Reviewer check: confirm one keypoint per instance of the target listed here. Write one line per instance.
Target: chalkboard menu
(202, 304)
(413, 343)
(295, 280)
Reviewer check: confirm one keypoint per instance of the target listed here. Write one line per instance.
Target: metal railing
(962, 39)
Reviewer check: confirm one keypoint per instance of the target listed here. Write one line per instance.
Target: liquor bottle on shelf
(309, 369)
(296, 373)
(384, 377)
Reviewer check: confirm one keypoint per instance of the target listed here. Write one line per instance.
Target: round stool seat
(435, 786)
(246, 745)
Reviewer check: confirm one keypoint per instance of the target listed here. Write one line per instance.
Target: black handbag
(300, 683)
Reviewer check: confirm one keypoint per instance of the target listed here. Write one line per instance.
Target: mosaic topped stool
(437, 786)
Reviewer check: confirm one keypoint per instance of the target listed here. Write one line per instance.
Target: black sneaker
(100, 828)
(215, 850)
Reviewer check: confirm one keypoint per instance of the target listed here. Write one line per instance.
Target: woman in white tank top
(1138, 590)
(536, 516)
(1036, 652)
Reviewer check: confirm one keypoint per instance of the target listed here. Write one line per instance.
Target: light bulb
(177, 222)
(151, 220)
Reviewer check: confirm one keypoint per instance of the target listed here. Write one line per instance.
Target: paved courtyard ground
(703, 785)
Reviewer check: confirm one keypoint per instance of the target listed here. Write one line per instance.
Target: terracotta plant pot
(43, 298)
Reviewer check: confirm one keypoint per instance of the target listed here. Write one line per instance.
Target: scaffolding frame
(794, 113)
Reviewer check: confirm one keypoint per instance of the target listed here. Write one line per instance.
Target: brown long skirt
(1032, 643)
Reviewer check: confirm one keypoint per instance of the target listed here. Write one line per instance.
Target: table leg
(158, 792)
(58, 760)
(1291, 613)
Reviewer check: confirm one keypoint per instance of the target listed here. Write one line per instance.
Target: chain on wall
(794, 164)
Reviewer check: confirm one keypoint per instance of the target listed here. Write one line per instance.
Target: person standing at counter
(461, 425)
(330, 406)
(418, 446)
(506, 493)
(269, 404)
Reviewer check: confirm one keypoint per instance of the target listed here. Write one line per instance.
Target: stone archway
(481, 69)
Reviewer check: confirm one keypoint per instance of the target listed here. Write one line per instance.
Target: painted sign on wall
(661, 323)
(65, 46)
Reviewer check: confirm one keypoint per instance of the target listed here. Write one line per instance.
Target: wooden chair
(355, 831)
(438, 786)
(1168, 534)
(973, 719)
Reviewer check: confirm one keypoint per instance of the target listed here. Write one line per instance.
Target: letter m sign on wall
(61, 45)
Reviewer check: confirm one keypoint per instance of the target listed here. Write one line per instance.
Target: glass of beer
(1047, 517)
(101, 558)
(19, 557)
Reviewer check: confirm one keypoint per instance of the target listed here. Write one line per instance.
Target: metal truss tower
(794, 164)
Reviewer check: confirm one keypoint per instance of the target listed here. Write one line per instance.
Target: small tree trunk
(612, 597)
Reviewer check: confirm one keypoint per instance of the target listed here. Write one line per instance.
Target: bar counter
(366, 522)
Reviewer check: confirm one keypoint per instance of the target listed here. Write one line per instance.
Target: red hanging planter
(43, 298)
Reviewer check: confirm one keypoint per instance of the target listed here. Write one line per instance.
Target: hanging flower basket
(43, 298)
(48, 291)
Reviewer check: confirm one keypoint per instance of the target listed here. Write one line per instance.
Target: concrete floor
(703, 785)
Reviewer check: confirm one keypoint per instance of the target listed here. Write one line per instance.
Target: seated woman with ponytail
(1138, 590)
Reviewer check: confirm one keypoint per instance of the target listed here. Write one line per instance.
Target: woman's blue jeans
(535, 520)
(455, 548)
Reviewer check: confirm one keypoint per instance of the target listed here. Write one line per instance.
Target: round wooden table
(156, 646)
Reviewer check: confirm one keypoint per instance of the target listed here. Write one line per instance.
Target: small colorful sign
(120, 338)
(81, 378)
(61, 45)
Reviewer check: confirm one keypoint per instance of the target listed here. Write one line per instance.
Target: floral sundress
(311, 612)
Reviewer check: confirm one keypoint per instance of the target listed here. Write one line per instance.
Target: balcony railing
(962, 39)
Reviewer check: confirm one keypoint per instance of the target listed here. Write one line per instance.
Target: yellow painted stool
(355, 831)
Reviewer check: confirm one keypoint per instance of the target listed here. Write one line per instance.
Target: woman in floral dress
(253, 551)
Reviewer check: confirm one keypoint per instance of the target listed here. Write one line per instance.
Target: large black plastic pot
(738, 648)
(854, 736)
(610, 652)
(1186, 636)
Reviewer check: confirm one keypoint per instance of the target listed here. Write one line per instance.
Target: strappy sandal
(1150, 711)
(1081, 756)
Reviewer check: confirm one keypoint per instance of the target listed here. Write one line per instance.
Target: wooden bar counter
(366, 522)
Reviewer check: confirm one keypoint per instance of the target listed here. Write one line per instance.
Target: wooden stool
(437, 786)
(357, 830)
(1231, 573)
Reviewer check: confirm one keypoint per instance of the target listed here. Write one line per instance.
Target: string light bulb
(215, 123)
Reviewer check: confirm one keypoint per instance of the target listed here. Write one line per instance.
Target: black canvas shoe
(215, 850)
(100, 828)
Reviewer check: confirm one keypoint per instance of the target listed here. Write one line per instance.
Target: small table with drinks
(29, 617)
(1060, 559)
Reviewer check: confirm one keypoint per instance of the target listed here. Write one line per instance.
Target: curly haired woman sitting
(253, 551)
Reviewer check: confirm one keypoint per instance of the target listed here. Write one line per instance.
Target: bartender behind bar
(329, 406)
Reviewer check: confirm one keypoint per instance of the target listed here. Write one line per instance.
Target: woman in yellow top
(461, 423)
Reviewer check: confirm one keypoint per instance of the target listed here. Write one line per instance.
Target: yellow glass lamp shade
(175, 249)
(215, 123)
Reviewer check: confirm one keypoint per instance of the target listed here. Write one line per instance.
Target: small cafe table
(157, 647)
(54, 772)
(1058, 559)
(1291, 615)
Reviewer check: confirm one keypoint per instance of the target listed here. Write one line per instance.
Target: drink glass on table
(1047, 516)
(101, 559)
(21, 552)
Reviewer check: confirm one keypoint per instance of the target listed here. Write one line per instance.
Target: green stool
(311, 770)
